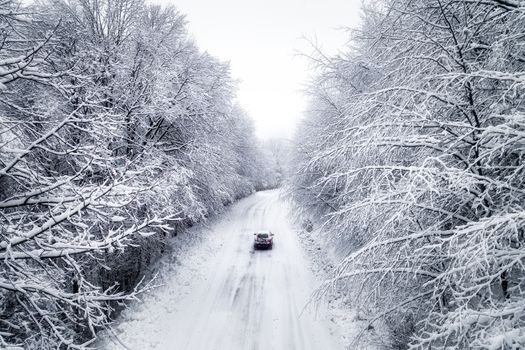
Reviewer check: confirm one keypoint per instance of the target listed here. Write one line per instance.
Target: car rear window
(262, 235)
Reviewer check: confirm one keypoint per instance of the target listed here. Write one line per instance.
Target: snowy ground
(349, 322)
(221, 294)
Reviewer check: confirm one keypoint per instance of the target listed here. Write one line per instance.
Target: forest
(116, 133)
(411, 158)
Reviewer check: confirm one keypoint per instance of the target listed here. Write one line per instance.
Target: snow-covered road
(227, 296)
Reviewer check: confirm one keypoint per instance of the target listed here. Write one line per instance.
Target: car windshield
(262, 235)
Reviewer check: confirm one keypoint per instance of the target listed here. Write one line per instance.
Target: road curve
(245, 299)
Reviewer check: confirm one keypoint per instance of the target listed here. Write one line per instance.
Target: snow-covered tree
(413, 154)
(115, 132)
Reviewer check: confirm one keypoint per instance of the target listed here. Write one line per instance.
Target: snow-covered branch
(415, 166)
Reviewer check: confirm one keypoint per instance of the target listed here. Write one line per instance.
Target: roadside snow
(346, 320)
(190, 250)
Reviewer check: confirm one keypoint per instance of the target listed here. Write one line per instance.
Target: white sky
(260, 39)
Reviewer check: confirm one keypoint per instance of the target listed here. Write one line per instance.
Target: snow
(346, 320)
(218, 293)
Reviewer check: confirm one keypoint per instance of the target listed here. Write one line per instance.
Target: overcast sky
(260, 39)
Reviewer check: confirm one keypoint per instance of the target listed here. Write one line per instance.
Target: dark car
(263, 240)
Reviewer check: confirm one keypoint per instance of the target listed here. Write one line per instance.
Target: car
(263, 239)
